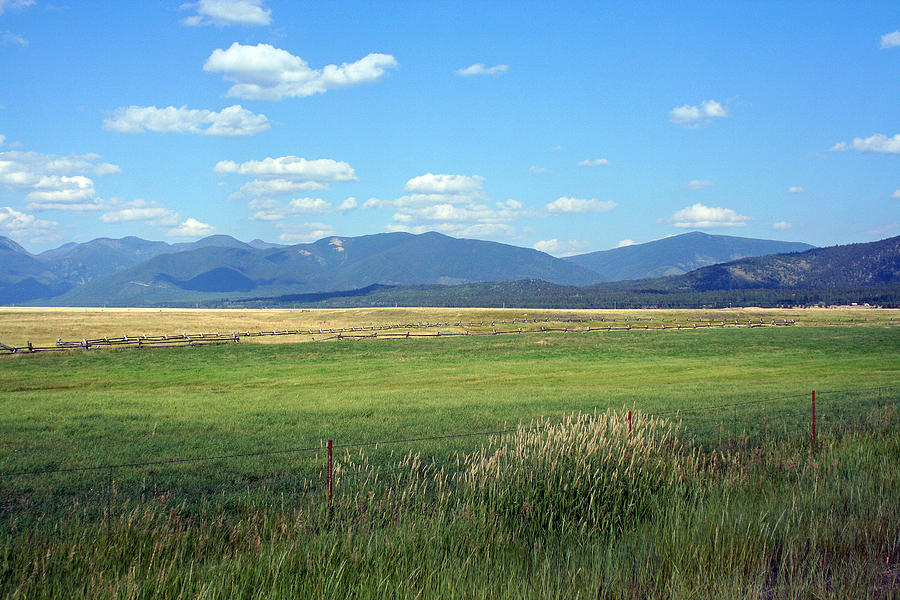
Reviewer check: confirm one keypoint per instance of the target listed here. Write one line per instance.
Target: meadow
(716, 491)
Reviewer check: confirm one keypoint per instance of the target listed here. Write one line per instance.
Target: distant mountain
(212, 241)
(677, 255)
(334, 263)
(261, 245)
(873, 263)
(77, 264)
(8, 244)
(23, 277)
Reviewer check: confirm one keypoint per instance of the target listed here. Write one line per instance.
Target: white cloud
(192, 228)
(59, 192)
(782, 225)
(20, 171)
(228, 122)
(14, 5)
(890, 40)
(597, 162)
(308, 206)
(290, 168)
(625, 242)
(796, 189)
(272, 210)
(536, 170)
(548, 246)
(22, 225)
(8, 37)
(2, 139)
(896, 195)
(480, 69)
(272, 188)
(561, 248)
(454, 204)
(53, 182)
(348, 204)
(263, 72)
(698, 184)
(430, 183)
(227, 12)
(697, 116)
(565, 205)
(296, 233)
(876, 143)
(699, 215)
(141, 210)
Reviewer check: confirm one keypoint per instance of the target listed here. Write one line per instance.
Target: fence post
(629, 423)
(330, 490)
(814, 418)
(109, 493)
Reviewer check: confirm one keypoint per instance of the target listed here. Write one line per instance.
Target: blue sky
(564, 126)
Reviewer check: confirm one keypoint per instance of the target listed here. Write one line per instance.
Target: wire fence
(391, 331)
(34, 500)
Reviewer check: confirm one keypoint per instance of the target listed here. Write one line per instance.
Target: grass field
(733, 503)
(43, 326)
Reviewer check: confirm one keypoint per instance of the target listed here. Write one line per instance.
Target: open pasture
(128, 405)
(44, 326)
(742, 395)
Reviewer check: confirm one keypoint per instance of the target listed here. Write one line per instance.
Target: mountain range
(131, 271)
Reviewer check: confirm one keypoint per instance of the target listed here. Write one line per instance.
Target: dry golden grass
(43, 326)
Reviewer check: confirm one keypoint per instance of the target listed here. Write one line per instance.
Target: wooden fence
(375, 331)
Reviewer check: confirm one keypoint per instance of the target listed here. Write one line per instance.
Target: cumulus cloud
(229, 122)
(309, 206)
(890, 40)
(597, 162)
(699, 215)
(296, 233)
(272, 210)
(14, 5)
(263, 72)
(480, 69)
(561, 248)
(896, 195)
(227, 12)
(536, 170)
(290, 168)
(20, 225)
(876, 143)
(625, 242)
(430, 183)
(151, 213)
(698, 184)
(273, 188)
(566, 205)
(192, 228)
(285, 176)
(782, 225)
(699, 115)
(454, 204)
(796, 189)
(53, 182)
(14, 39)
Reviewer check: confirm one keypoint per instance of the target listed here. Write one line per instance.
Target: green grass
(738, 506)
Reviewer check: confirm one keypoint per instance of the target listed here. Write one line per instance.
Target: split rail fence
(393, 331)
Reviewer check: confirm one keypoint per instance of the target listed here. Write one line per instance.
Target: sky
(568, 127)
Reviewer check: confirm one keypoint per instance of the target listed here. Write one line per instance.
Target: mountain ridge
(676, 255)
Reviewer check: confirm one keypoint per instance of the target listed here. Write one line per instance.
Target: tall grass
(572, 509)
